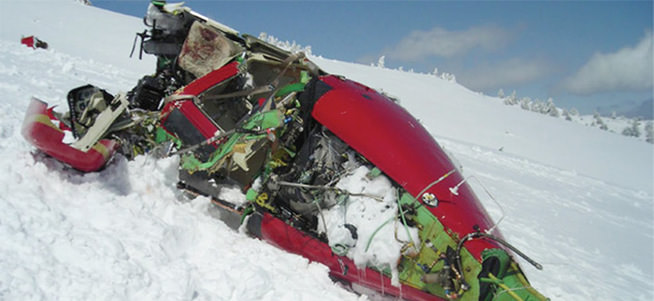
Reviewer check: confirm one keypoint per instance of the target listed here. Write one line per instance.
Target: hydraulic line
(419, 195)
(377, 230)
(477, 235)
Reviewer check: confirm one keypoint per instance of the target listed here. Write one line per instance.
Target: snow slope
(75, 29)
(575, 198)
(452, 111)
(123, 233)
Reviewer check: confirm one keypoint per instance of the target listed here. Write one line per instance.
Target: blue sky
(583, 54)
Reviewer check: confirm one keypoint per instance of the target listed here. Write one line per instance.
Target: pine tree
(448, 77)
(636, 126)
(566, 115)
(537, 106)
(599, 122)
(525, 103)
(633, 130)
(380, 62)
(511, 99)
(500, 94)
(649, 132)
(552, 110)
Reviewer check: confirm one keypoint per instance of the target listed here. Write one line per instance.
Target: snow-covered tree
(551, 108)
(566, 115)
(599, 122)
(511, 99)
(525, 103)
(636, 126)
(574, 112)
(537, 106)
(448, 77)
(649, 132)
(380, 62)
(445, 76)
(633, 130)
(500, 94)
(286, 45)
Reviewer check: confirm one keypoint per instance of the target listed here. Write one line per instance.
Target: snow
(373, 218)
(452, 111)
(577, 199)
(79, 30)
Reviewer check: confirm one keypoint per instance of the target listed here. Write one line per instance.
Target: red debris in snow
(33, 42)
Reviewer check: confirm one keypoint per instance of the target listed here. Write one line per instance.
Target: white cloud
(628, 69)
(505, 74)
(441, 42)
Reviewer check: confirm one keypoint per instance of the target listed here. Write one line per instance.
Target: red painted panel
(395, 142)
(285, 237)
(211, 79)
(201, 122)
(28, 41)
(42, 133)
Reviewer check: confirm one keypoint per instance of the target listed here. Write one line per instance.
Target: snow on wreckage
(328, 168)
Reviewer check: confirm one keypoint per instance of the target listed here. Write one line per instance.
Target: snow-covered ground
(577, 199)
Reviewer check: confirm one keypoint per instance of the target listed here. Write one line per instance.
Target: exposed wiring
(435, 182)
(377, 230)
(324, 223)
(455, 190)
(505, 288)
(406, 227)
(477, 235)
(319, 187)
